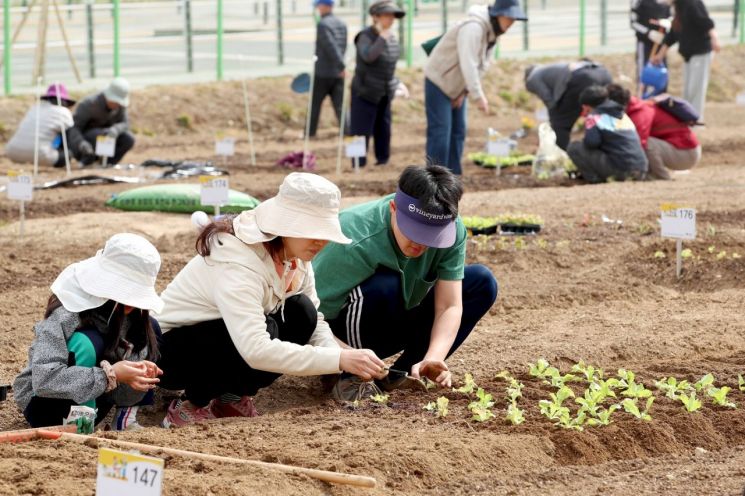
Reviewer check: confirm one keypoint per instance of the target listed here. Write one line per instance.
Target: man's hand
(458, 102)
(435, 370)
(484, 105)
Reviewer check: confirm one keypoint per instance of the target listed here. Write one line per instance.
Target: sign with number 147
(128, 474)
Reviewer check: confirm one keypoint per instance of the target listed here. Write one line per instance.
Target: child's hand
(135, 375)
(151, 370)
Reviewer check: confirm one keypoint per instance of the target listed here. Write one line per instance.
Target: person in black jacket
(694, 30)
(102, 114)
(331, 45)
(650, 21)
(611, 147)
(374, 84)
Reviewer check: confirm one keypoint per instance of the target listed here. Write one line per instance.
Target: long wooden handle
(324, 475)
(22, 435)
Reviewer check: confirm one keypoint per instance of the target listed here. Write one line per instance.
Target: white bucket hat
(124, 271)
(307, 206)
(118, 92)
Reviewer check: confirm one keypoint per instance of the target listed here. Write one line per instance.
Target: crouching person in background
(97, 343)
(245, 309)
(611, 147)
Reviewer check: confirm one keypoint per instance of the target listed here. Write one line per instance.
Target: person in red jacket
(668, 142)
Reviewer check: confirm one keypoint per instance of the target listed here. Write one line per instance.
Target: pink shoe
(243, 408)
(183, 412)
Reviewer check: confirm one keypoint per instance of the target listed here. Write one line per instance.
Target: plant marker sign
(128, 474)
(741, 99)
(105, 147)
(225, 148)
(678, 223)
(20, 188)
(214, 191)
(355, 148)
(498, 147)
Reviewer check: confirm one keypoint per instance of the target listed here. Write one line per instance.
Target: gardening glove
(655, 36)
(111, 133)
(401, 91)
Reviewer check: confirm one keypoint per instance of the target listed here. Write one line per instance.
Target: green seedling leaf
(538, 369)
(711, 249)
(740, 383)
(468, 385)
(659, 254)
(719, 396)
(721, 255)
(481, 414)
(604, 389)
(736, 256)
(691, 403)
(704, 383)
(439, 407)
(590, 372)
(380, 398)
(559, 380)
(687, 253)
(514, 414)
(671, 387)
(631, 406)
(484, 399)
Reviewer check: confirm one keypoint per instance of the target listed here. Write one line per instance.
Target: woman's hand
(140, 376)
(434, 370)
(362, 363)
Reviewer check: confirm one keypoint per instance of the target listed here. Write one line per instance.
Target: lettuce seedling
(514, 414)
(721, 255)
(687, 253)
(631, 406)
(605, 388)
(740, 383)
(380, 398)
(553, 409)
(704, 383)
(589, 371)
(719, 396)
(484, 399)
(631, 388)
(603, 416)
(672, 388)
(439, 407)
(468, 386)
(659, 254)
(691, 403)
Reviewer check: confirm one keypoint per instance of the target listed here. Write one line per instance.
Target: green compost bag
(182, 198)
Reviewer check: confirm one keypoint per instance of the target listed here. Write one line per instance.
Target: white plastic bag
(550, 160)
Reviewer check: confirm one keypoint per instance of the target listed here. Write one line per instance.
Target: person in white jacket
(54, 116)
(453, 74)
(245, 308)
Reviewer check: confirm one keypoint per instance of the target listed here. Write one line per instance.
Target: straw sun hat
(307, 206)
(124, 271)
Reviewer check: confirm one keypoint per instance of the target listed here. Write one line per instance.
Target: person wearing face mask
(650, 20)
(402, 284)
(453, 76)
(374, 84)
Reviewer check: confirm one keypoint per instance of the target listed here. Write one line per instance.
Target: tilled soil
(582, 289)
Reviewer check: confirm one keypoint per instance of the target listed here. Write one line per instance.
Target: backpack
(680, 109)
(430, 44)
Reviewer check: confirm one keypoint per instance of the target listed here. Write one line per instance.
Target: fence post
(6, 46)
(117, 67)
(742, 21)
(265, 14)
(526, 33)
(219, 41)
(444, 15)
(582, 12)
(363, 14)
(91, 41)
(409, 33)
(280, 35)
(401, 32)
(188, 35)
(603, 22)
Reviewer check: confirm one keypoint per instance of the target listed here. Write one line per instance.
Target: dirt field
(582, 289)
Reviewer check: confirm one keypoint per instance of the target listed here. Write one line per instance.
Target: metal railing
(203, 40)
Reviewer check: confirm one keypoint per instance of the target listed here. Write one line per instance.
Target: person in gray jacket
(453, 74)
(104, 114)
(331, 45)
(97, 345)
(559, 86)
(374, 85)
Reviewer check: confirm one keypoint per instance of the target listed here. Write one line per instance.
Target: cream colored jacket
(239, 284)
(463, 55)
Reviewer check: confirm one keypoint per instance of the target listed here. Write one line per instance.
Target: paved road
(153, 48)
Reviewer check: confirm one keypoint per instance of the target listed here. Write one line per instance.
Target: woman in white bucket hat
(245, 308)
(97, 344)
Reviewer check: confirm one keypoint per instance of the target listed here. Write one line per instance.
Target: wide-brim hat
(124, 271)
(508, 8)
(386, 7)
(118, 92)
(58, 90)
(433, 229)
(307, 206)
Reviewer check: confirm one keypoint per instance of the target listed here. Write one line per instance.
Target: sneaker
(350, 388)
(125, 419)
(398, 379)
(183, 412)
(242, 408)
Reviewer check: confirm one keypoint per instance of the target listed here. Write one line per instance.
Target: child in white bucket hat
(245, 307)
(97, 344)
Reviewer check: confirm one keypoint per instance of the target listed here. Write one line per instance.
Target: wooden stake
(67, 45)
(678, 257)
(41, 41)
(324, 475)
